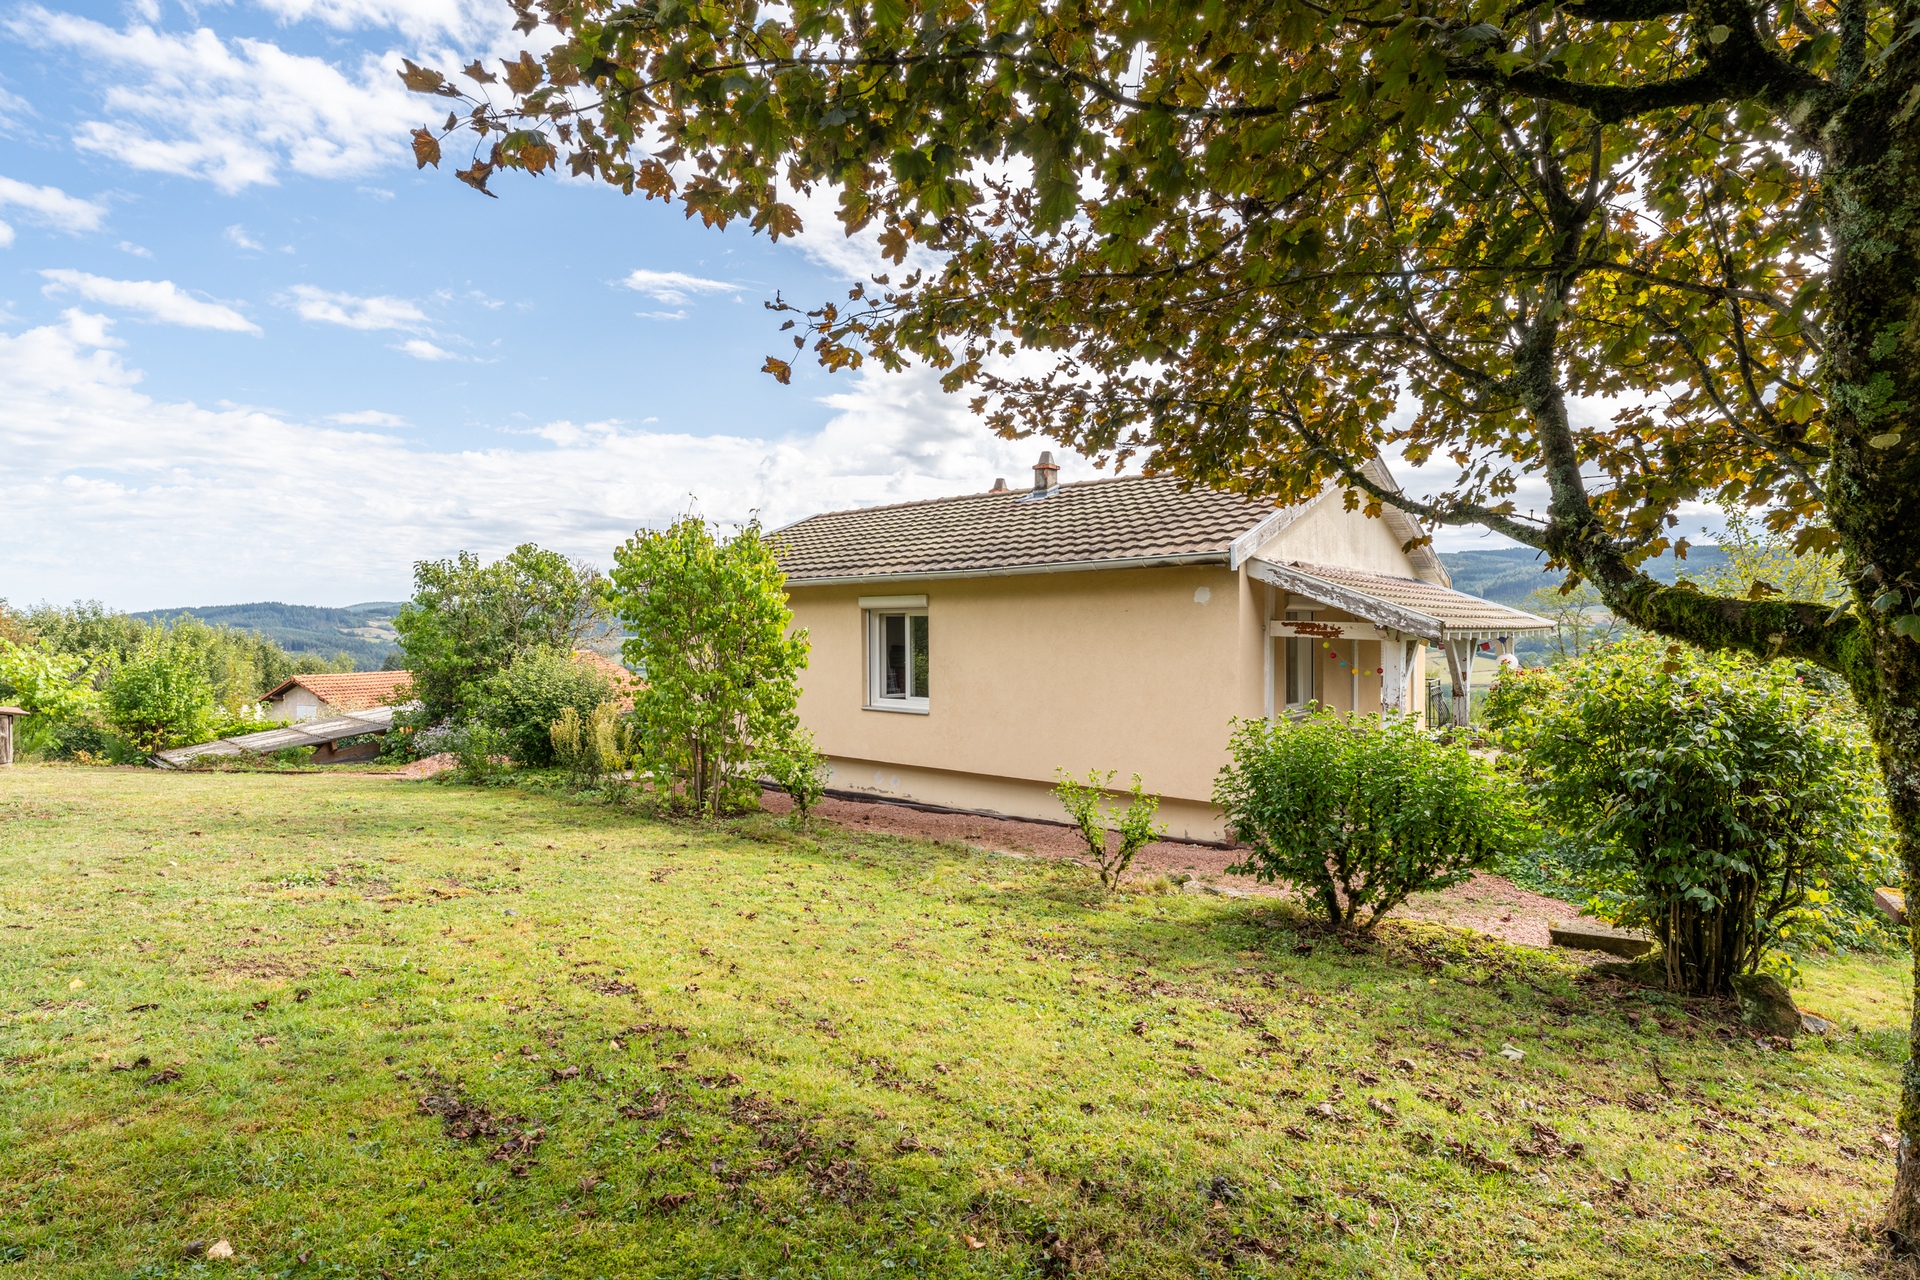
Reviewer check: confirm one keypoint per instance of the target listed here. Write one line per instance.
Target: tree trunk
(1871, 190)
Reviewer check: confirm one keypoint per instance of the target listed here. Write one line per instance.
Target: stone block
(1893, 902)
(1593, 935)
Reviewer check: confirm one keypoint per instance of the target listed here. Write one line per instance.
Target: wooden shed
(7, 716)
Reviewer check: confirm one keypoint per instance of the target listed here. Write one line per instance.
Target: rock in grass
(219, 1249)
(1766, 1005)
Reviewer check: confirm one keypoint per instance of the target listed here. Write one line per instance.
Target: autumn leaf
(476, 177)
(780, 369)
(523, 77)
(420, 79)
(475, 71)
(426, 149)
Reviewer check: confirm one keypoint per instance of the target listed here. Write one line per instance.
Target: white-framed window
(899, 666)
(1302, 672)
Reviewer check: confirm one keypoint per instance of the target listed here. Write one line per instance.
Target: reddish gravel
(1487, 904)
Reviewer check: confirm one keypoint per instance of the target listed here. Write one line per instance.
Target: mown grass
(707, 1052)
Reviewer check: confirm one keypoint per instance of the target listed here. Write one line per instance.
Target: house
(966, 648)
(315, 697)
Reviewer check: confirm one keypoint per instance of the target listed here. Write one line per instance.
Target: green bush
(523, 701)
(160, 698)
(595, 747)
(1361, 812)
(1713, 800)
(1085, 802)
(798, 768)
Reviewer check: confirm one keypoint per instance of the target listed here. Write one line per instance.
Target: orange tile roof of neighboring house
(1126, 518)
(351, 690)
(624, 682)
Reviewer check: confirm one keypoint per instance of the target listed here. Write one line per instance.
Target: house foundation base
(992, 797)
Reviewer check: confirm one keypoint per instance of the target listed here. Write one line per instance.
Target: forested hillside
(365, 631)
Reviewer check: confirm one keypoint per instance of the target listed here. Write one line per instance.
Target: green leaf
(1719, 32)
(1908, 625)
(1886, 440)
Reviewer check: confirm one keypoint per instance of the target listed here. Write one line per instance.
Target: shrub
(159, 698)
(710, 624)
(523, 701)
(593, 747)
(1362, 812)
(798, 768)
(1714, 800)
(478, 752)
(1084, 803)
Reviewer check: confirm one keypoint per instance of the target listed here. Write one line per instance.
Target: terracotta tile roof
(624, 682)
(1123, 518)
(351, 690)
(1455, 611)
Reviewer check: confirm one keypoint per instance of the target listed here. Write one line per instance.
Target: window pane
(1290, 651)
(893, 630)
(917, 625)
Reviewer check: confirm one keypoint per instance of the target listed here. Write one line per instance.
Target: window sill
(911, 707)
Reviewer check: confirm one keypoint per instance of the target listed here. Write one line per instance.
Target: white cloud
(88, 460)
(417, 18)
(51, 206)
(138, 251)
(235, 113)
(421, 349)
(161, 300)
(673, 288)
(367, 418)
(237, 235)
(377, 312)
(6, 235)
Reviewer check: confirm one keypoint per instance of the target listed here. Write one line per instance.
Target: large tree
(1233, 237)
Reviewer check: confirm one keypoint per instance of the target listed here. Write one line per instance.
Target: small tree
(160, 697)
(1361, 812)
(525, 700)
(798, 768)
(711, 636)
(1134, 825)
(468, 621)
(1717, 799)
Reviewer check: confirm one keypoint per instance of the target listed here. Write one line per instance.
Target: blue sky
(248, 352)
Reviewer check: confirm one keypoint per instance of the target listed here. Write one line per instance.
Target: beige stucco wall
(283, 707)
(1327, 533)
(1125, 670)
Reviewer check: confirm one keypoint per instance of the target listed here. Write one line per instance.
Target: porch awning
(1407, 606)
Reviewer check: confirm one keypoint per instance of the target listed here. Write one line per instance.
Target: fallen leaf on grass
(974, 1244)
(1469, 1154)
(1296, 1132)
(219, 1249)
(142, 1008)
(673, 1199)
(167, 1076)
(301, 995)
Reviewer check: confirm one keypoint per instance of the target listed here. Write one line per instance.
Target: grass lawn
(363, 1027)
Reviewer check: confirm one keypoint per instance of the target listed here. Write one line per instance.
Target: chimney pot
(999, 485)
(1046, 476)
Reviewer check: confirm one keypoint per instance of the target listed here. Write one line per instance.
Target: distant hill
(1509, 573)
(363, 630)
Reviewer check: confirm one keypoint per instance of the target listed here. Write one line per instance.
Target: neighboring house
(966, 648)
(315, 697)
(622, 680)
